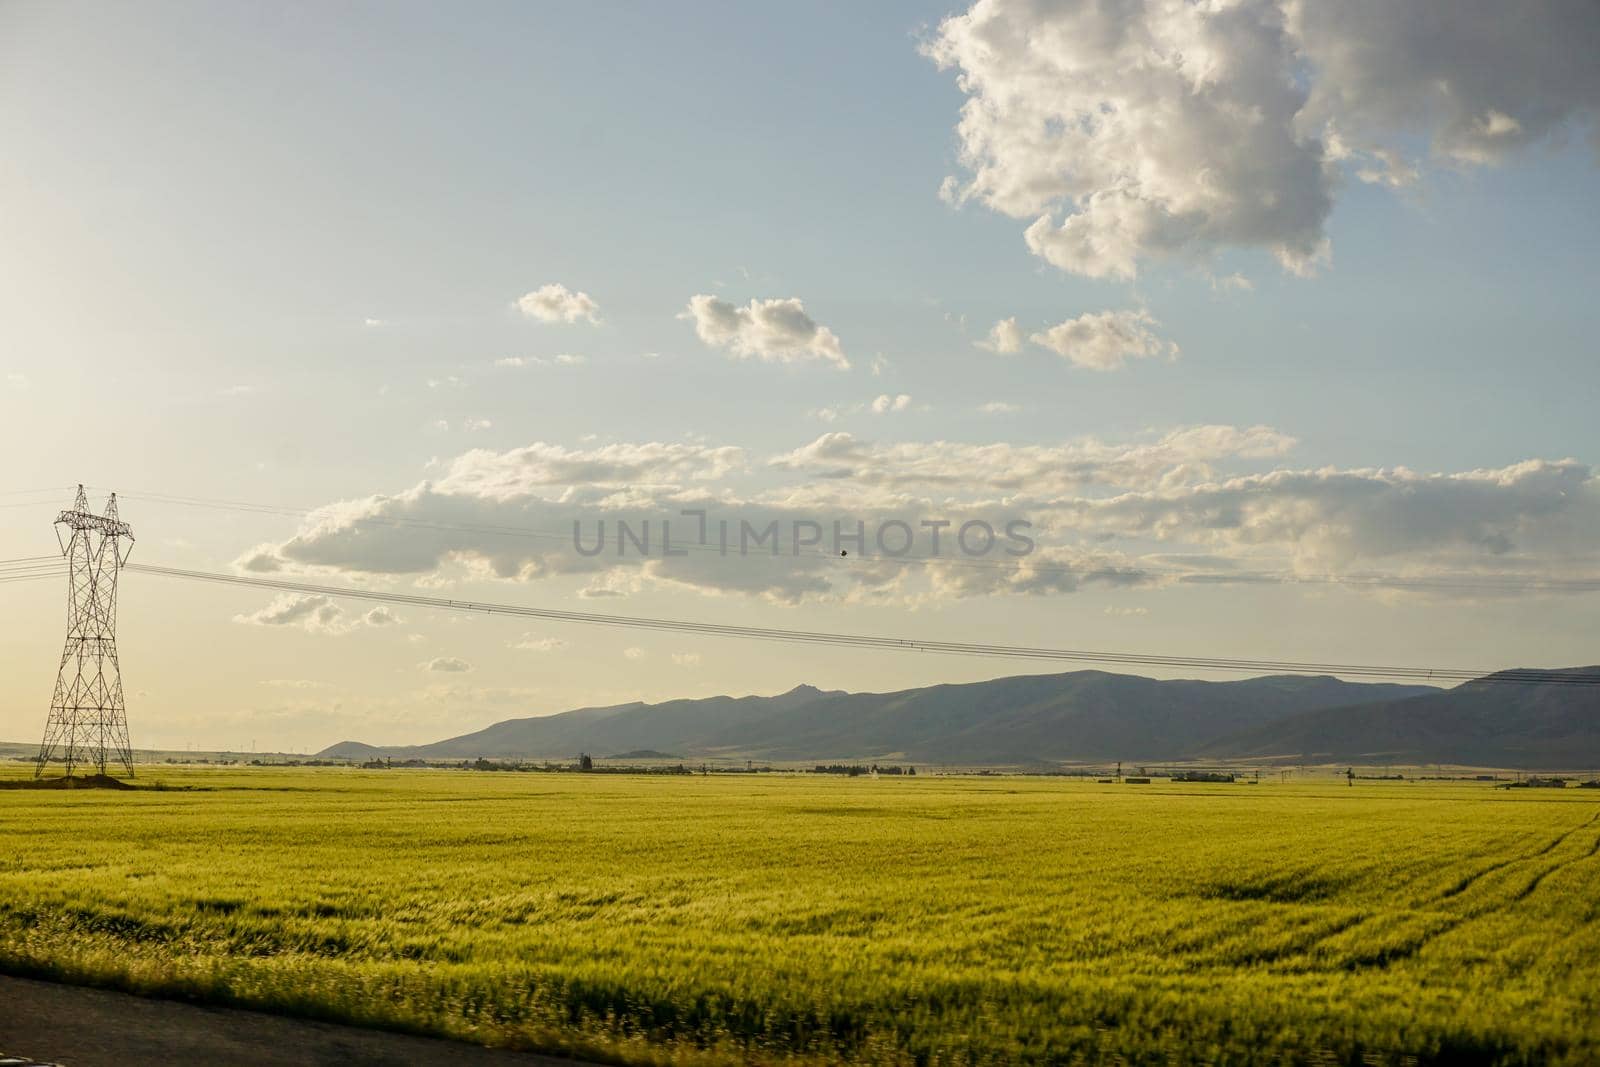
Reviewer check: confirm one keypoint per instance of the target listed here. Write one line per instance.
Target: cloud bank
(1209, 503)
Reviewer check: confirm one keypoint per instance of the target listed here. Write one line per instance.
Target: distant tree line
(857, 769)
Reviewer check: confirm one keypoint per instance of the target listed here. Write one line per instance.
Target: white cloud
(885, 403)
(686, 659)
(999, 407)
(1106, 340)
(519, 471)
(447, 665)
(484, 499)
(1159, 509)
(1475, 78)
(468, 424)
(556, 303)
(564, 359)
(1157, 129)
(535, 643)
(882, 404)
(314, 613)
(774, 331)
(262, 559)
(1054, 570)
(634, 653)
(1136, 129)
(17, 380)
(1005, 337)
(1038, 470)
(371, 323)
(1334, 519)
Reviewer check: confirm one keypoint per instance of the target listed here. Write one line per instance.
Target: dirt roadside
(72, 1026)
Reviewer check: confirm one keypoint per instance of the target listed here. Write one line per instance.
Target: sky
(1273, 321)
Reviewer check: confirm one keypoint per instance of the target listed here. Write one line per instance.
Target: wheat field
(793, 918)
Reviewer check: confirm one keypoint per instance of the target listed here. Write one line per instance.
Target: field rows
(883, 921)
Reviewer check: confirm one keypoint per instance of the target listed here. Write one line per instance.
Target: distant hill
(674, 726)
(1483, 723)
(1081, 715)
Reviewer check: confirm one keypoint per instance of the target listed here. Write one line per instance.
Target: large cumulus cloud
(1125, 130)
(1477, 78)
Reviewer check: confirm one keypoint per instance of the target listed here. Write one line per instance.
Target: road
(77, 1027)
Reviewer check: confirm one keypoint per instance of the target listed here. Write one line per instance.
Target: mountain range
(1489, 723)
(1032, 720)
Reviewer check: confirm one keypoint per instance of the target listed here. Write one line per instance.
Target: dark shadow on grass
(94, 781)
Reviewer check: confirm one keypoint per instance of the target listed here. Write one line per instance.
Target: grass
(772, 918)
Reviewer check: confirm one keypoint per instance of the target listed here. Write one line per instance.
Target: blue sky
(273, 255)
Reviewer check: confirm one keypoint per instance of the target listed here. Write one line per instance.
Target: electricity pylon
(88, 722)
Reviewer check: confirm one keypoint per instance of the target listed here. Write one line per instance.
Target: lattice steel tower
(88, 722)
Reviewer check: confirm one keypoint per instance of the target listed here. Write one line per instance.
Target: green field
(775, 918)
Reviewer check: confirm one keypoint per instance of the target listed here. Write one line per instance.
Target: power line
(30, 568)
(27, 568)
(49, 495)
(866, 641)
